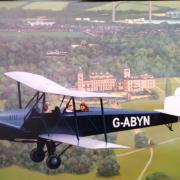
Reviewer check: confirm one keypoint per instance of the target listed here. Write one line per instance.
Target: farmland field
(51, 5)
(138, 6)
(11, 5)
(54, 6)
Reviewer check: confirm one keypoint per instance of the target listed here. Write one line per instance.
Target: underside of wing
(83, 141)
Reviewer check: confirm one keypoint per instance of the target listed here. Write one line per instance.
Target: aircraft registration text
(132, 121)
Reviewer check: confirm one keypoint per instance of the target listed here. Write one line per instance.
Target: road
(151, 155)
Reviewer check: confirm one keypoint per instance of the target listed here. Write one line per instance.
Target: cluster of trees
(158, 55)
(75, 160)
(108, 166)
(158, 176)
(141, 140)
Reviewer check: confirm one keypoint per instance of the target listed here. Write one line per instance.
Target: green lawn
(138, 6)
(49, 5)
(166, 159)
(168, 4)
(132, 165)
(143, 104)
(161, 82)
(12, 4)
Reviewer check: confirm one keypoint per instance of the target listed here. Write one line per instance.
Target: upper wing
(43, 84)
(83, 141)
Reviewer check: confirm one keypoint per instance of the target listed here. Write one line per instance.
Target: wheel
(53, 161)
(37, 155)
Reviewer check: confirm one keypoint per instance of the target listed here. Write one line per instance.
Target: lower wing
(83, 141)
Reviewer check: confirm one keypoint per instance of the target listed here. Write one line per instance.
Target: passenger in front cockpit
(83, 107)
(69, 108)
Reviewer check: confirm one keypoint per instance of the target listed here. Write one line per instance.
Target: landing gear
(53, 161)
(37, 155)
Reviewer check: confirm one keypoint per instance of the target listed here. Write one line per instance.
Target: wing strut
(103, 118)
(43, 120)
(62, 101)
(36, 95)
(75, 115)
(19, 95)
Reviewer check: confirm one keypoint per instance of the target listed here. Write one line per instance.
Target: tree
(158, 176)
(5, 156)
(141, 140)
(78, 161)
(154, 94)
(168, 89)
(108, 166)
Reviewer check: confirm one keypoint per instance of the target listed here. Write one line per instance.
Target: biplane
(30, 124)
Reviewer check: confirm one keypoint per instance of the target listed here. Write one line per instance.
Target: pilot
(83, 107)
(56, 111)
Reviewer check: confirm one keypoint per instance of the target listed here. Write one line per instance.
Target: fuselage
(29, 124)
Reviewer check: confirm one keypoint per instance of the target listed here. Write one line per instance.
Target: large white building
(107, 82)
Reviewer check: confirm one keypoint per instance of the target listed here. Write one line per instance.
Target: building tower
(80, 80)
(127, 73)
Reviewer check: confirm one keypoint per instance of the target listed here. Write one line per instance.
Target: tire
(53, 162)
(37, 155)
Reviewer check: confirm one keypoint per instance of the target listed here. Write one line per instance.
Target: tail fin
(172, 104)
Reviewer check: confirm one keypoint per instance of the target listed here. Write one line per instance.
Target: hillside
(96, 47)
(94, 10)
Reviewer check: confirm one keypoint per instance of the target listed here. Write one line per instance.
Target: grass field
(47, 5)
(51, 5)
(169, 154)
(11, 5)
(138, 6)
(60, 5)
